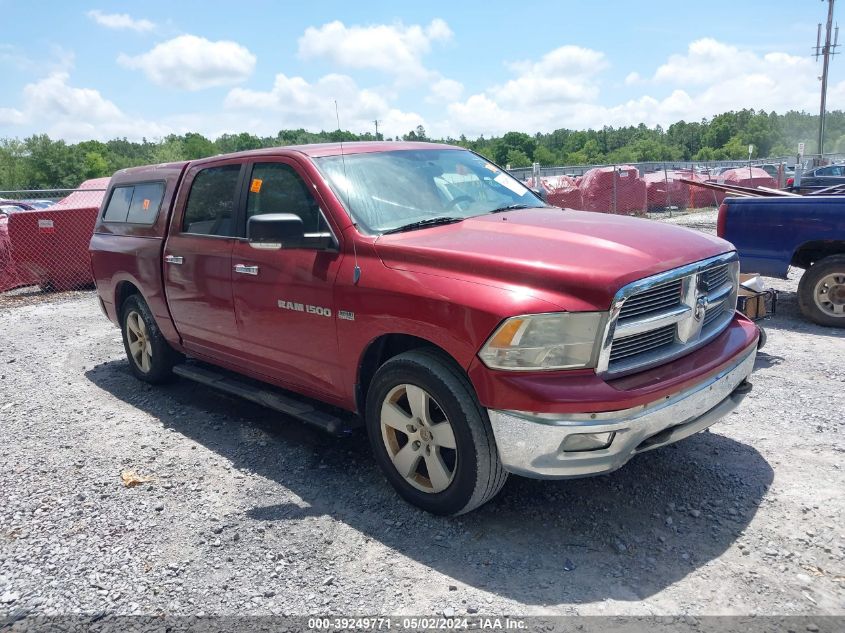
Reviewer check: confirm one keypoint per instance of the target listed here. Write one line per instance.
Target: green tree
(197, 146)
(517, 158)
(228, 143)
(545, 156)
(13, 164)
(94, 166)
(51, 164)
(518, 141)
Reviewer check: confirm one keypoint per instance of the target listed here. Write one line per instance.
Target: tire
(154, 363)
(473, 472)
(821, 292)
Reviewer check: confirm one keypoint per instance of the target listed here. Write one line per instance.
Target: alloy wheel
(140, 346)
(419, 438)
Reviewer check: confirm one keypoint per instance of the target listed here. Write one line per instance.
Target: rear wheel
(821, 292)
(430, 436)
(150, 356)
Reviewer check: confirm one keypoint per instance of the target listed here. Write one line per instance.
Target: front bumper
(532, 444)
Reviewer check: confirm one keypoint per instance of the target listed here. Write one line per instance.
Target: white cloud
(11, 116)
(632, 78)
(393, 49)
(52, 106)
(566, 74)
(544, 95)
(562, 89)
(121, 21)
(445, 90)
(189, 62)
(293, 102)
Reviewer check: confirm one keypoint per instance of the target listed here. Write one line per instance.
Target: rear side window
(121, 198)
(145, 203)
(135, 204)
(211, 203)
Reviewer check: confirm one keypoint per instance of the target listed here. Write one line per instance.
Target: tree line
(39, 162)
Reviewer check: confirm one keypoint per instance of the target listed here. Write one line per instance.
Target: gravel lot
(248, 512)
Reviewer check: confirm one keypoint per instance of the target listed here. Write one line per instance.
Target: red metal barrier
(51, 246)
(745, 177)
(663, 189)
(614, 190)
(561, 191)
(11, 276)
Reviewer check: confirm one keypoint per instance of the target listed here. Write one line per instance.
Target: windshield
(384, 191)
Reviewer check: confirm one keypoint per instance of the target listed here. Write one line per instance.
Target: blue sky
(79, 70)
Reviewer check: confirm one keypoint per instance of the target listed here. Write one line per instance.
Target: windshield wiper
(422, 224)
(511, 207)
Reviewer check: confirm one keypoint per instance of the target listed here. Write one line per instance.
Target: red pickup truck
(420, 291)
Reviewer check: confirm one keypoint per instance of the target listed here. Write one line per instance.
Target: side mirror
(274, 231)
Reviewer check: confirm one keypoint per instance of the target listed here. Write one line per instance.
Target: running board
(270, 397)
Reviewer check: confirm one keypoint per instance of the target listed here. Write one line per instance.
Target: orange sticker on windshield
(255, 187)
(146, 204)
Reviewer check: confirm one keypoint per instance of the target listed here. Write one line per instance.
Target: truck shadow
(623, 536)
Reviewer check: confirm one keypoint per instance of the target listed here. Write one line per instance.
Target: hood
(575, 259)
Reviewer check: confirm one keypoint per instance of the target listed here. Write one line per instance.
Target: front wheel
(150, 356)
(430, 436)
(821, 291)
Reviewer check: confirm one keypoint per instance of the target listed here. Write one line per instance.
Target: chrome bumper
(532, 444)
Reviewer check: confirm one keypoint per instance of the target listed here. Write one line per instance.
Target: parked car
(772, 234)
(772, 169)
(41, 204)
(6, 209)
(16, 205)
(820, 178)
(421, 292)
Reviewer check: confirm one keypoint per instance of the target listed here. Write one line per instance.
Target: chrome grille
(631, 345)
(715, 277)
(653, 300)
(713, 313)
(657, 319)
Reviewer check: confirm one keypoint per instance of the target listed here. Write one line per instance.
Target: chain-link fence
(44, 236)
(637, 189)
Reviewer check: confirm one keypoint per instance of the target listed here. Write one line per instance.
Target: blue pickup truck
(772, 234)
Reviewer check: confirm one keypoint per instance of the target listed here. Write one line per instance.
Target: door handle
(173, 259)
(246, 270)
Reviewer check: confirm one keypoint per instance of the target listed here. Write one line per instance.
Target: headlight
(565, 340)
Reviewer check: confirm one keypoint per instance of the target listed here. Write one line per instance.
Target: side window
(277, 188)
(118, 206)
(211, 202)
(837, 170)
(145, 203)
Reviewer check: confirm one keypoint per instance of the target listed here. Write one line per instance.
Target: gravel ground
(249, 513)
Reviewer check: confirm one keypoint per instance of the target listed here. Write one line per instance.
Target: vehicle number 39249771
(387, 623)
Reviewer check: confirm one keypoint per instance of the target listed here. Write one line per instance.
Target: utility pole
(826, 52)
(376, 122)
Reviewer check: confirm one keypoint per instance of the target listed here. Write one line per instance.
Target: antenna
(356, 272)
